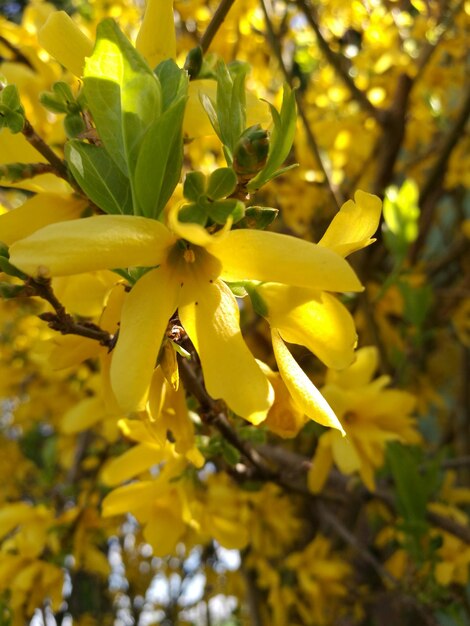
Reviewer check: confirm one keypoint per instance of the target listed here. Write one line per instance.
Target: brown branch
(62, 321)
(213, 415)
(215, 23)
(15, 172)
(19, 56)
(41, 146)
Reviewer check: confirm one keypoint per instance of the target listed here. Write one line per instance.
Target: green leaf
(10, 98)
(13, 120)
(281, 140)
(222, 182)
(173, 81)
(220, 210)
(193, 213)
(158, 168)
(231, 106)
(99, 177)
(210, 109)
(123, 95)
(194, 186)
(7, 268)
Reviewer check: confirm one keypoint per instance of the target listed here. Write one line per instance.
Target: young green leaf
(194, 185)
(281, 140)
(99, 177)
(158, 168)
(122, 93)
(222, 182)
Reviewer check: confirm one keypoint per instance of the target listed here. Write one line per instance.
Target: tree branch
(215, 23)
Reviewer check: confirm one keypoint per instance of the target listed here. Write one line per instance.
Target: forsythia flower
(372, 416)
(188, 272)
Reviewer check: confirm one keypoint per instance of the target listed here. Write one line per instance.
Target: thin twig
(19, 56)
(41, 146)
(62, 321)
(215, 23)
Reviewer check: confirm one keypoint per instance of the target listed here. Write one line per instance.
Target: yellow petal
(70, 350)
(266, 256)
(230, 370)
(301, 388)
(83, 415)
(16, 149)
(164, 530)
(37, 212)
(156, 40)
(358, 374)
(132, 462)
(93, 243)
(352, 228)
(321, 464)
(316, 320)
(145, 316)
(136, 497)
(84, 294)
(64, 41)
(344, 454)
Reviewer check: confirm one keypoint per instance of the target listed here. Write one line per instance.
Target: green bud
(193, 62)
(63, 92)
(258, 217)
(251, 152)
(74, 125)
(4, 250)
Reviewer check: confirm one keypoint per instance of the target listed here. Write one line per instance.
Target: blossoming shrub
(212, 415)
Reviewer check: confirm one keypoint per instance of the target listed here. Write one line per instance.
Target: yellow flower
(189, 268)
(372, 416)
(316, 319)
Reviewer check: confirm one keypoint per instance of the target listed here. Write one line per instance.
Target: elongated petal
(134, 461)
(137, 497)
(360, 373)
(145, 316)
(230, 370)
(93, 243)
(321, 464)
(316, 320)
(37, 212)
(62, 38)
(83, 415)
(301, 388)
(156, 40)
(352, 228)
(265, 256)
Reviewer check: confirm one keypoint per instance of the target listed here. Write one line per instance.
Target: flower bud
(251, 152)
